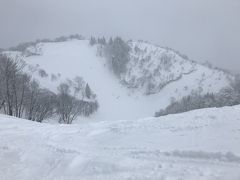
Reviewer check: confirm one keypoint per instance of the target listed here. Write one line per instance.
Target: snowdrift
(202, 144)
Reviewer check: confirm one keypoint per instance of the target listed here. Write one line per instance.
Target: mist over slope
(202, 144)
(129, 81)
(154, 75)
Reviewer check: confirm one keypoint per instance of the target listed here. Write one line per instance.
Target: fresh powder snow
(74, 58)
(200, 145)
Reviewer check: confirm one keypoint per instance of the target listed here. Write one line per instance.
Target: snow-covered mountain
(154, 75)
(202, 144)
(120, 142)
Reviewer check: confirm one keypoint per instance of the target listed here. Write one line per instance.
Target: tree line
(23, 46)
(228, 96)
(21, 96)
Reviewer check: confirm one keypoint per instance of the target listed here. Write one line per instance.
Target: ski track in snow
(202, 144)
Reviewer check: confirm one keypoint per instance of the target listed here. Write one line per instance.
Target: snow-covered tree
(117, 53)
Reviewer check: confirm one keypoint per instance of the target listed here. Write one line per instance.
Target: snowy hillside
(199, 145)
(152, 68)
(154, 76)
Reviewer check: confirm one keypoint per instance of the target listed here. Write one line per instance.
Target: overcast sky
(205, 30)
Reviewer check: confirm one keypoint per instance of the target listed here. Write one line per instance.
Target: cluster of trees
(117, 54)
(116, 50)
(21, 96)
(226, 97)
(40, 103)
(94, 41)
(69, 107)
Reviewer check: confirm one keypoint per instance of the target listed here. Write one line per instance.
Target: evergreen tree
(110, 42)
(88, 91)
(92, 41)
(103, 42)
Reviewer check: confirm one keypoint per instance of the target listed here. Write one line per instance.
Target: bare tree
(21, 96)
(68, 107)
(45, 106)
(10, 69)
(40, 104)
(20, 85)
(33, 96)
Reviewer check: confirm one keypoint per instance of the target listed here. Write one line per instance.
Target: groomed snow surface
(202, 144)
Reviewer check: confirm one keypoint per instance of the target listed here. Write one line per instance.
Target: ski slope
(77, 58)
(200, 145)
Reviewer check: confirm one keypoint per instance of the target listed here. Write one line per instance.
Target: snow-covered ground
(72, 58)
(202, 144)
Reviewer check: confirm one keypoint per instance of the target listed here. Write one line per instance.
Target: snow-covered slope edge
(202, 144)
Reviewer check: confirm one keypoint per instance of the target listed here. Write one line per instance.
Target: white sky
(202, 29)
